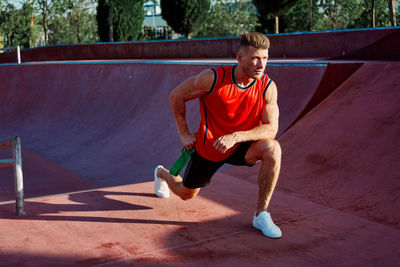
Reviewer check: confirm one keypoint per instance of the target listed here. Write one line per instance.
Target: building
(154, 26)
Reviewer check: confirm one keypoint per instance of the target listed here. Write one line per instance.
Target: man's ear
(239, 56)
(241, 53)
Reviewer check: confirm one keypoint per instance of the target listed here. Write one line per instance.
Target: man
(239, 121)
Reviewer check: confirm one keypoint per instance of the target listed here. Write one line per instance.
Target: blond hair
(254, 39)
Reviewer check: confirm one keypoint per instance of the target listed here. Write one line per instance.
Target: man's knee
(270, 150)
(188, 193)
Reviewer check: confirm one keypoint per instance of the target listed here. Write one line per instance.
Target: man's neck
(241, 78)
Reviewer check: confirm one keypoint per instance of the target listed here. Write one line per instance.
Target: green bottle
(181, 162)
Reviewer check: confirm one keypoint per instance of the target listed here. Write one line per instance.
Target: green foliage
(73, 22)
(127, 19)
(62, 21)
(15, 25)
(268, 10)
(185, 16)
(296, 18)
(102, 20)
(273, 7)
(382, 16)
(329, 15)
(66, 21)
(339, 14)
(82, 20)
(227, 18)
(354, 14)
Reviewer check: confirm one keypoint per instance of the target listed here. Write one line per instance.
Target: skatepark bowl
(93, 127)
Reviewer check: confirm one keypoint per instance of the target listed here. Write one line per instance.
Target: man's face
(253, 61)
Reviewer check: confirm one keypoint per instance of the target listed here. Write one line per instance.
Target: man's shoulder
(223, 67)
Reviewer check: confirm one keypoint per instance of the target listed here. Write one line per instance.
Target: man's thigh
(238, 158)
(199, 171)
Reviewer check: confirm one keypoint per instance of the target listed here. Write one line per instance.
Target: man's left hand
(224, 143)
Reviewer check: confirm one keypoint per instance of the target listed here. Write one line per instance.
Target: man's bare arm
(192, 88)
(268, 130)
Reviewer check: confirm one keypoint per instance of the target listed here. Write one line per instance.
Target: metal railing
(15, 162)
(14, 48)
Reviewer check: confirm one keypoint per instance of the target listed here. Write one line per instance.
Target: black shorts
(199, 170)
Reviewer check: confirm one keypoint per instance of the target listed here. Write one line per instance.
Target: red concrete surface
(42, 176)
(104, 127)
(128, 226)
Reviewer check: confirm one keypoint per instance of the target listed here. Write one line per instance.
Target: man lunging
(239, 122)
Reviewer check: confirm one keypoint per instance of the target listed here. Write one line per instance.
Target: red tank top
(228, 108)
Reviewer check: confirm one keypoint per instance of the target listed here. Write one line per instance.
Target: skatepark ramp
(109, 123)
(93, 131)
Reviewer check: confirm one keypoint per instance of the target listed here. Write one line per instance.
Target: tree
(373, 13)
(392, 10)
(366, 18)
(2, 15)
(105, 24)
(110, 20)
(185, 16)
(6, 23)
(120, 20)
(48, 11)
(227, 18)
(58, 21)
(25, 19)
(102, 21)
(310, 2)
(296, 19)
(71, 21)
(45, 8)
(272, 8)
(75, 22)
(15, 25)
(341, 14)
(128, 19)
(80, 18)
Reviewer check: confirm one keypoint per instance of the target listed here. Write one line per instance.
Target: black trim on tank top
(238, 86)
(205, 118)
(223, 75)
(264, 77)
(266, 87)
(214, 82)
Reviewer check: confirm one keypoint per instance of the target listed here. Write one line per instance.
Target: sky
(16, 3)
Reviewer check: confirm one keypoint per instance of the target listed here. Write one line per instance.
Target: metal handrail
(16, 162)
(18, 52)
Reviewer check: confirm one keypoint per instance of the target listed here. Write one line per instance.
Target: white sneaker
(264, 223)
(160, 186)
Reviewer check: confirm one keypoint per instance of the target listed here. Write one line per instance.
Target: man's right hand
(188, 141)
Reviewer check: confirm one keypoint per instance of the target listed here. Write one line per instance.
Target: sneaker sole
(255, 225)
